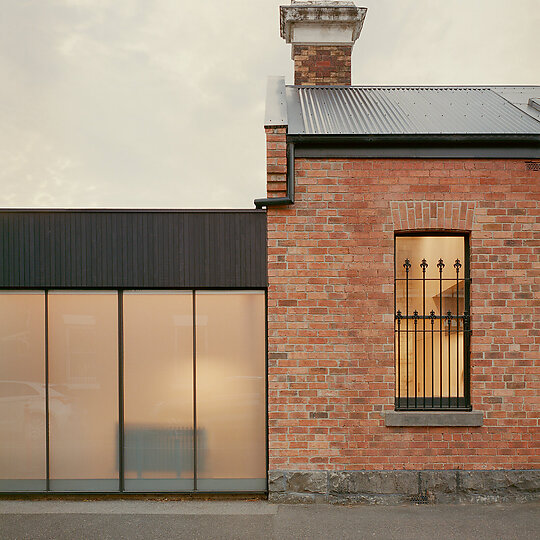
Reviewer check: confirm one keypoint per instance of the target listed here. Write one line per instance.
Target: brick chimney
(322, 34)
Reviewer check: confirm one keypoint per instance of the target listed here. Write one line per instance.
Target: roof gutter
(419, 146)
(406, 139)
(289, 196)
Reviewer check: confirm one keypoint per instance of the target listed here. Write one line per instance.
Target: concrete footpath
(138, 519)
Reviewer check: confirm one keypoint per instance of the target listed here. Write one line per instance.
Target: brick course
(322, 64)
(330, 310)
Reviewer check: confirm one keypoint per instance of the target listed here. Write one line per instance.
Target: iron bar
(466, 334)
(457, 266)
(419, 279)
(424, 265)
(449, 357)
(427, 317)
(440, 266)
(398, 318)
(415, 362)
(407, 267)
(432, 317)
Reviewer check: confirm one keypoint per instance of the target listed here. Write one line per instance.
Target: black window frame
(421, 403)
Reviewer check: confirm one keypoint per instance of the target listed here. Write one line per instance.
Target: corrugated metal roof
(404, 111)
(520, 97)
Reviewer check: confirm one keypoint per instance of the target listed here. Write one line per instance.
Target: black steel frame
(121, 445)
(431, 320)
(194, 372)
(47, 430)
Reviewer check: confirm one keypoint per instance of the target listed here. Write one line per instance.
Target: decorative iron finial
(424, 265)
(457, 266)
(440, 265)
(407, 265)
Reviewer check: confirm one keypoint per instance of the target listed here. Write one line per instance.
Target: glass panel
(22, 391)
(158, 388)
(431, 248)
(83, 377)
(231, 391)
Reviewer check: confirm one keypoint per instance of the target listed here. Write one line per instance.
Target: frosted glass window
(22, 391)
(230, 375)
(158, 389)
(83, 377)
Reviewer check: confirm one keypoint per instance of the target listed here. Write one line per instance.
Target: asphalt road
(136, 519)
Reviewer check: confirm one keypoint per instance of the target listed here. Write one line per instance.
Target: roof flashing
(535, 103)
(276, 103)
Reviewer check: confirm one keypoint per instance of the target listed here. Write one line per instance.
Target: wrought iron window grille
(432, 349)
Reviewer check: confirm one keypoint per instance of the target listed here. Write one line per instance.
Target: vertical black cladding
(133, 249)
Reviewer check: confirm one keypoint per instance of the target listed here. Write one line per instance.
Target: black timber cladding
(132, 249)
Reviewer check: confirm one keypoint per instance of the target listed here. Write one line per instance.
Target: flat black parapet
(133, 249)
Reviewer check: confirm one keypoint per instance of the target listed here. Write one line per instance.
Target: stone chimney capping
(322, 34)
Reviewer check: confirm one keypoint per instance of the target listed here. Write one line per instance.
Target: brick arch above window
(436, 215)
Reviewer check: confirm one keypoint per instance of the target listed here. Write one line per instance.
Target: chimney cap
(321, 22)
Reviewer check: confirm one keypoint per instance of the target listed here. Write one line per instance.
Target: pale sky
(160, 103)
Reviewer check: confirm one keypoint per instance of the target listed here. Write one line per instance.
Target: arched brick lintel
(440, 215)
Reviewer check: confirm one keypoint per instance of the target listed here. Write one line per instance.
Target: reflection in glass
(22, 391)
(83, 376)
(230, 367)
(431, 248)
(430, 360)
(158, 389)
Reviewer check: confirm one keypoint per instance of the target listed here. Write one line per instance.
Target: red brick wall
(322, 64)
(331, 358)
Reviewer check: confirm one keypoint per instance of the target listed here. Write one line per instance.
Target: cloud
(160, 104)
(464, 42)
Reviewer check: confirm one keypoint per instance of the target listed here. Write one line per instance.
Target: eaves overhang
(516, 146)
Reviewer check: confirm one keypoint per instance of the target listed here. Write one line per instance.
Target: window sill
(433, 418)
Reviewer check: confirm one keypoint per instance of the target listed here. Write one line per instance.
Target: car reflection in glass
(22, 409)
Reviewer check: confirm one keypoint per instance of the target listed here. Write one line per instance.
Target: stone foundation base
(395, 487)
